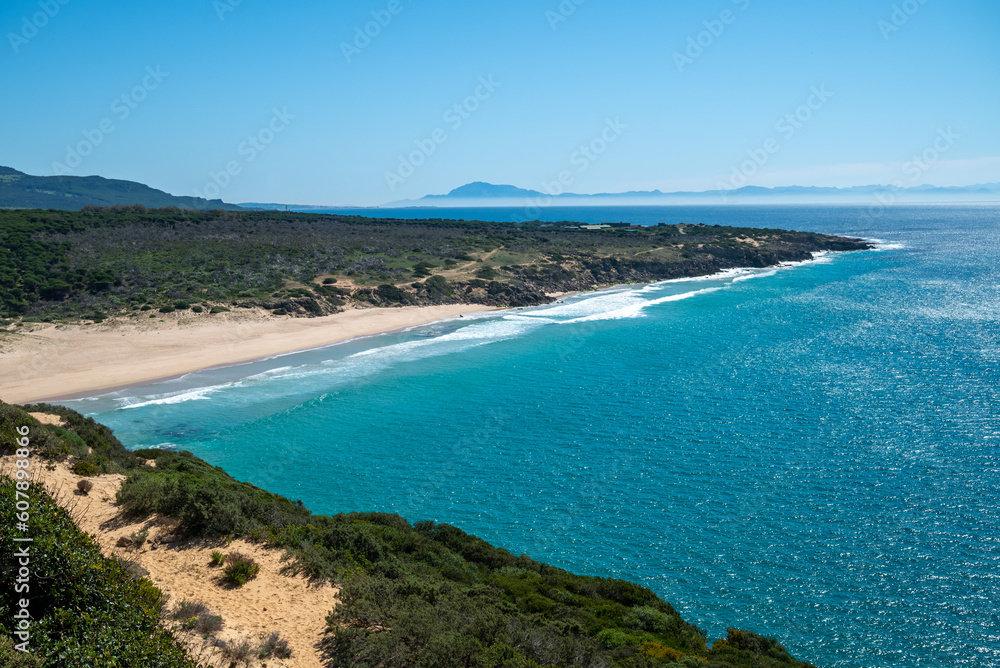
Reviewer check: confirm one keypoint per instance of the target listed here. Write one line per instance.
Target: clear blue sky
(688, 127)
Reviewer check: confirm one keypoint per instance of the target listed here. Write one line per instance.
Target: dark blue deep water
(811, 452)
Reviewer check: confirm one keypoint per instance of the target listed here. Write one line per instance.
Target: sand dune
(293, 606)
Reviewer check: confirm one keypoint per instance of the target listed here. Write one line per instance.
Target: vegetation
(240, 568)
(195, 616)
(218, 558)
(84, 486)
(412, 594)
(128, 260)
(273, 645)
(87, 610)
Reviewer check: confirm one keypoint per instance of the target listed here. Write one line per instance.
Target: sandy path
(49, 361)
(290, 605)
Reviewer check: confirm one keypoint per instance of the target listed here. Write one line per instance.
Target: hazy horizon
(361, 104)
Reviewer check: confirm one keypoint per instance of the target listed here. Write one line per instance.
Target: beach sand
(42, 361)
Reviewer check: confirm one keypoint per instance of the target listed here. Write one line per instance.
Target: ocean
(809, 452)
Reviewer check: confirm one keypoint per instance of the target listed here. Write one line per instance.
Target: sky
(360, 102)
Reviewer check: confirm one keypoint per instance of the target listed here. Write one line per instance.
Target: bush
(85, 467)
(329, 281)
(188, 609)
(87, 609)
(181, 305)
(145, 307)
(167, 309)
(275, 646)
(240, 568)
(392, 294)
(237, 650)
(208, 625)
(197, 309)
(85, 486)
(486, 273)
(218, 558)
(219, 309)
(139, 537)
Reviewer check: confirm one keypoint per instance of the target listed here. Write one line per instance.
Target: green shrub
(197, 309)
(615, 638)
(329, 281)
(167, 309)
(139, 537)
(145, 307)
(219, 309)
(85, 467)
(84, 486)
(218, 558)
(240, 568)
(181, 305)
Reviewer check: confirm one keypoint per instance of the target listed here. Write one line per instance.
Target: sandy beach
(40, 361)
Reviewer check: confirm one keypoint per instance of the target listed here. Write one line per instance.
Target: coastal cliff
(419, 594)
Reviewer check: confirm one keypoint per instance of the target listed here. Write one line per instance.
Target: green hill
(22, 191)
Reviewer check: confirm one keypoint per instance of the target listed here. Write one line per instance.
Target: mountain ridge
(479, 191)
(71, 193)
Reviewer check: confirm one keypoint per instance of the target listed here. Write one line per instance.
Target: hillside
(71, 193)
(129, 260)
(420, 594)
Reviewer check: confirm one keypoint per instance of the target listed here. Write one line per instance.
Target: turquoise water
(810, 452)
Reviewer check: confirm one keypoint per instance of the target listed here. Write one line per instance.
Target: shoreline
(237, 338)
(86, 360)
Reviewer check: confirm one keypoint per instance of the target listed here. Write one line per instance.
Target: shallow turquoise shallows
(810, 452)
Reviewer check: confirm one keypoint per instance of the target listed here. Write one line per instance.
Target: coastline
(46, 362)
(88, 360)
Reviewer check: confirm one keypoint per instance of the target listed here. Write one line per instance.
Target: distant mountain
(21, 191)
(487, 194)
